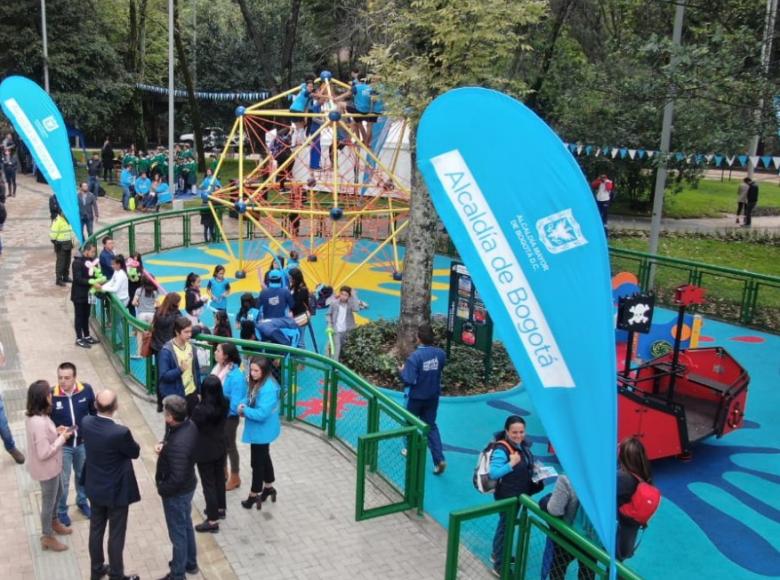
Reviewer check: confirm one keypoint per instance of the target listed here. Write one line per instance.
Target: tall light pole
(766, 57)
(45, 47)
(666, 136)
(171, 160)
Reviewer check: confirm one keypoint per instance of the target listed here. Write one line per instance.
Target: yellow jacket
(60, 230)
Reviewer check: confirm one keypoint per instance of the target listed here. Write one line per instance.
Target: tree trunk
(253, 34)
(549, 52)
(192, 103)
(141, 66)
(135, 57)
(288, 47)
(420, 236)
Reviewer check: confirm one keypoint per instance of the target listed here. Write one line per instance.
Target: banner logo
(50, 124)
(529, 322)
(560, 232)
(25, 127)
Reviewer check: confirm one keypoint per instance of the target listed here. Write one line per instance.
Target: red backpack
(643, 503)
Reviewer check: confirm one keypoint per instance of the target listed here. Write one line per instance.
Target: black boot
(268, 492)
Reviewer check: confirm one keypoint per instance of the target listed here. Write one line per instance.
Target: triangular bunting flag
(766, 160)
(718, 160)
(597, 152)
(588, 149)
(572, 147)
(650, 154)
(632, 153)
(743, 159)
(730, 161)
(623, 152)
(708, 157)
(699, 158)
(615, 151)
(679, 156)
(579, 149)
(641, 153)
(754, 160)
(777, 162)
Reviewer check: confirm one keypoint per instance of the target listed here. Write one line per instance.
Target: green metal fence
(528, 534)
(733, 295)
(390, 442)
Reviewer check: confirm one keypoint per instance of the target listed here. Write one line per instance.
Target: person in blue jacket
(260, 409)
(209, 183)
(218, 289)
(126, 182)
(179, 372)
(300, 104)
(421, 375)
(274, 301)
(228, 369)
(511, 465)
(71, 401)
(143, 185)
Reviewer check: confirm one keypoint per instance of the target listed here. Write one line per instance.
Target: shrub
(370, 352)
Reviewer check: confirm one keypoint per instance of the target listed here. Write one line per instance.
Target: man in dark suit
(110, 483)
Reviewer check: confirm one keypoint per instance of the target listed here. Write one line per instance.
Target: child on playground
(193, 303)
(222, 324)
(300, 104)
(341, 317)
(247, 314)
(218, 289)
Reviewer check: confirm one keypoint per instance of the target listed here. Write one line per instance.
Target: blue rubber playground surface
(720, 516)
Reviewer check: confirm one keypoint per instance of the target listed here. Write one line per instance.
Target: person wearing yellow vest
(61, 235)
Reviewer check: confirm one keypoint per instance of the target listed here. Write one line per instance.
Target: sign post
(468, 321)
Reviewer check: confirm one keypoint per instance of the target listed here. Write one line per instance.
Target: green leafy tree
(424, 48)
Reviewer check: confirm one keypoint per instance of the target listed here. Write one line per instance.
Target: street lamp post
(45, 47)
(171, 160)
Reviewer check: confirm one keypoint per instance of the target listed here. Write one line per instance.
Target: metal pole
(171, 139)
(45, 47)
(666, 135)
(766, 54)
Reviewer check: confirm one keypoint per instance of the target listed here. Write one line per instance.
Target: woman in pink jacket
(44, 461)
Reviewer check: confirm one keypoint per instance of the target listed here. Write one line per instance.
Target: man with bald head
(110, 484)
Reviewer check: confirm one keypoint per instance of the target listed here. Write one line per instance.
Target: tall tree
(424, 48)
(290, 34)
(192, 102)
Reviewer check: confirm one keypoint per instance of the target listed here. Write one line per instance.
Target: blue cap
(275, 275)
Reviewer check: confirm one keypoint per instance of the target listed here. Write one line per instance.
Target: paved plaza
(309, 533)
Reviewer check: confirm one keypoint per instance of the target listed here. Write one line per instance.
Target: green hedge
(370, 352)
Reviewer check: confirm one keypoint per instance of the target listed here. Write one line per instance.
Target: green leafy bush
(370, 352)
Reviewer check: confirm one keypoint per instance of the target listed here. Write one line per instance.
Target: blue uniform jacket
(274, 303)
(170, 382)
(70, 411)
(422, 372)
(106, 258)
(261, 417)
(143, 185)
(234, 388)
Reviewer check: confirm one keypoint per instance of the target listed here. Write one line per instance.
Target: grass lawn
(759, 258)
(711, 198)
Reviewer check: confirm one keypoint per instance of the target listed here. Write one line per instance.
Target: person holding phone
(45, 442)
(72, 400)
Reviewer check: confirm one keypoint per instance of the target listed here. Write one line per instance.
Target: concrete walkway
(309, 533)
(761, 224)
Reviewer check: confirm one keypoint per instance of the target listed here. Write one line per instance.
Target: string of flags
(716, 159)
(207, 96)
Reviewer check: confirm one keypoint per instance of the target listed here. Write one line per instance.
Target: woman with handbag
(162, 331)
(228, 369)
(260, 409)
(514, 473)
(300, 309)
(44, 461)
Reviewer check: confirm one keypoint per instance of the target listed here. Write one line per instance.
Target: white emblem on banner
(50, 124)
(560, 232)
